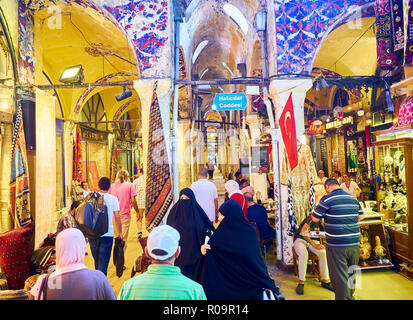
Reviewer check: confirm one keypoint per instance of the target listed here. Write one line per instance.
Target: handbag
(43, 288)
(267, 294)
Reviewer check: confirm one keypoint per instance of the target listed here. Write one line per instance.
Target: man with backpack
(101, 247)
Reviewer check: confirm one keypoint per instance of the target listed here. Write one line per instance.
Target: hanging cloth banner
(77, 156)
(398, 28)
(19, 177)
(158, 180)
(114, 162)
(405, 113)
(312, 198)
(288, 132)
(292, 221)
(408, 54)
(386, 59)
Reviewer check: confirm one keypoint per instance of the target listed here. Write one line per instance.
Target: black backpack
(92, 216)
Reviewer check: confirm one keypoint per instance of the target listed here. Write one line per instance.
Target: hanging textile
(158, 180)
(77, 156)
(300, 178)
(114, 162)
(19, 177)
(292, 222)
(408, 55)
(312, 197)
(396, 7)
(386, 59)
(405, 113)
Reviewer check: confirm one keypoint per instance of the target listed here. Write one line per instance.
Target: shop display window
(393, 157)
(392, 194)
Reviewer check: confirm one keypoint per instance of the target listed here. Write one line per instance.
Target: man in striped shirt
(341, 213)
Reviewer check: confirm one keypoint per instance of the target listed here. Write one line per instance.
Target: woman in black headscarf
(193, 225)
(234, 268)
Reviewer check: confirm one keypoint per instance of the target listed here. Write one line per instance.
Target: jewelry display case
(393, 150)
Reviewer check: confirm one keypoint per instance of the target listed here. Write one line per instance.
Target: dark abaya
(193, 225)
(234, 268)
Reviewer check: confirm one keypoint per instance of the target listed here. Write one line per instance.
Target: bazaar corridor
(382, 285)
(266, 147)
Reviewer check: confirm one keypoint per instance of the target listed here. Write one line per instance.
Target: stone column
(258, 181)
(144, 88)
(279, 92)
(184, 153)
(164, 92)
(45, 166)
(69, 135)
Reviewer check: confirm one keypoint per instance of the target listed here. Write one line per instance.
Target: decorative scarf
(158, 182)
(386, 59)
(408, 54)
(292, 221)
(19, 177)
(77, 156)
(398, 28)
(405, 113)
(114, 162)
(312, 197)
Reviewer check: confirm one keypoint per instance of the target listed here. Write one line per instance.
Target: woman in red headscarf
(234, 193)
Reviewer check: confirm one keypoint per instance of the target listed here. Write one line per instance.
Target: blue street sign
(230, 101)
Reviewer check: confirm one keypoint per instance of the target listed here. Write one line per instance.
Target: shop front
(94, 162)
(393, 150)
(344, 146)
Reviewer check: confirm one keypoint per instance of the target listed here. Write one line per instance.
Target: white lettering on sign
(338, 123)
(229, 98)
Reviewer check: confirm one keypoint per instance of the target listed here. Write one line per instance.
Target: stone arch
(347, 17)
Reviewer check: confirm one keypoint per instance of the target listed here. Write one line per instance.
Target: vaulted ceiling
(87, 38)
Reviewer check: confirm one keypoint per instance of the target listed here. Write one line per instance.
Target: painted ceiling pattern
(300, 27)
(26, 59)
(145, 23)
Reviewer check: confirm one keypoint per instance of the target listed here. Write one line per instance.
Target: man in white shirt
(206, 194)
(350, 186)
(101, 247)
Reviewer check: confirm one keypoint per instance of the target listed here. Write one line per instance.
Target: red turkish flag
(287, 126)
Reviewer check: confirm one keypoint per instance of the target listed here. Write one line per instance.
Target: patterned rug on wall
(19, 177)
(158, 177)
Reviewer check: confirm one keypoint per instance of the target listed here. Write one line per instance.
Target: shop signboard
(340, 122)
(230, 101)
(90, 134)
(259, 159)
(315, 127)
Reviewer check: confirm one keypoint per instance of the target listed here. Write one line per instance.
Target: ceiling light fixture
(124, 95)
(72, 75)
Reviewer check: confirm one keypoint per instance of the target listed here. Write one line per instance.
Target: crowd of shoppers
(202, 251)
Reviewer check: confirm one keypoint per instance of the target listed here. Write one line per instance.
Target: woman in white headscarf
(72, 280)
(234, 193)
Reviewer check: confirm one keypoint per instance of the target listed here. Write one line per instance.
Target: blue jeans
(101, 249)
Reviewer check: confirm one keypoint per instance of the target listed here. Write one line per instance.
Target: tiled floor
(374, 285)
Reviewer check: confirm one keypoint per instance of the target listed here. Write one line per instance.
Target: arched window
(124, 129)
(94, 111)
